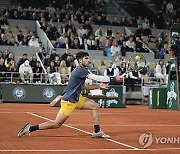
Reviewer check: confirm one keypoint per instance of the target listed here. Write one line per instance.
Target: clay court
(124, 125)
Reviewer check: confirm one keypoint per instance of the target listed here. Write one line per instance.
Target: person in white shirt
(81, 31)
(119, 59)
(161, 70)
(33, 42)
(110, 71)
(62, 38)
(169, 8)
(115, 49)
(25, 71)
(130, 42)
(134, 77)
(99, 34)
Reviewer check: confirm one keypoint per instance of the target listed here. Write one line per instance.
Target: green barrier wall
(30, 93)
(113, 97)
(173, 101)
(157, 98)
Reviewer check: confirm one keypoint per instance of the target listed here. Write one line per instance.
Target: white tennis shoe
(24, 130)
(100, 134)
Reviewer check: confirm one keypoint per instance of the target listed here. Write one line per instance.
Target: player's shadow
(60, 136)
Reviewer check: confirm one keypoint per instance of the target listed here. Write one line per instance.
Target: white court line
(111, 140)
(132, 125)
(91, 150)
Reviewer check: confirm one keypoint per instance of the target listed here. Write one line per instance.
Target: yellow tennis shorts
(68, 107)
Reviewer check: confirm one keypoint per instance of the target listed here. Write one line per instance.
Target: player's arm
(101, 78)
(55, 100)
(96, 86)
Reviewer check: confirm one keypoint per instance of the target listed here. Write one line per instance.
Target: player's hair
(81, 54)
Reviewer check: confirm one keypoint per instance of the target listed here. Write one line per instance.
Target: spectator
(163, 51)
(33, 42)
(85, 46)
(130, 42)
(109, 33)
(53, 55)
(57, 61)
(7, 60)
(29, 36)
(124, 49)
(161, 71)
(91, 42)
(121, 69)
(110, 71)
(25, 72)
(52, 68)
(99, 34)
(22, 60)
(64, 72)
(3, 40)
(139, 45)
(33, 61)
(75, 44)
(19, 37)
(3, 69)
(69, 61)
(133, 48)
(37, 70)
(66, 44)
(24, 42)
(57, 43)
(42, 53)
(88, 28)
(12, 68)
(80, 40)
(119, 60)
(47, 61)
(59, 32)
(62, 38)
(115, 49)
(134, 77)
(49, 33)
(65, 55)
(169, 8)
(3, 20)
(140, 21)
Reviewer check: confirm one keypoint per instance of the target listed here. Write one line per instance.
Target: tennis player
(72, 98)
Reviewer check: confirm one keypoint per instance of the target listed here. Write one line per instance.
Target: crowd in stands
(171, 8)
(57, 68)
(76, 32)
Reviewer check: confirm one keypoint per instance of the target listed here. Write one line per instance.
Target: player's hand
(119, 78)
(55, 100)
(103, 85)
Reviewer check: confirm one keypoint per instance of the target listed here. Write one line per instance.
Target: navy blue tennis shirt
(75, 84)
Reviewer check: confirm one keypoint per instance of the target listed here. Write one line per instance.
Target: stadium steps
(4, 4)
(113, 10)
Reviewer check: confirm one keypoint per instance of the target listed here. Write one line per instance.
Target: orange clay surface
(124, 125)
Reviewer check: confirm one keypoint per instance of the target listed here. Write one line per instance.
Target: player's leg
(89, 104)
(62, 116)
(60, 119)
